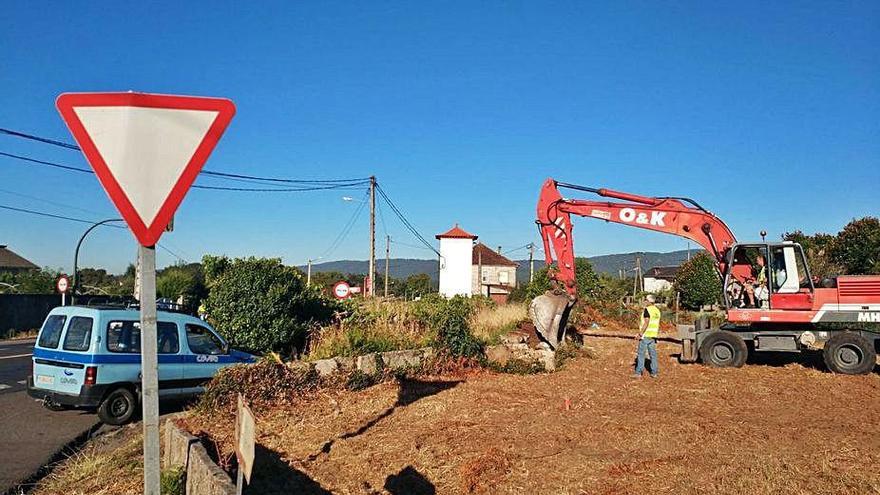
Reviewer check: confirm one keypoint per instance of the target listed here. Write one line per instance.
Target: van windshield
(51, 334)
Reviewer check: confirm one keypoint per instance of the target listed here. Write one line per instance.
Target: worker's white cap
(650, 298)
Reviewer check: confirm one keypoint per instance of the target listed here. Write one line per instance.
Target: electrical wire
(79, 220)
(315, 187)
(225, 175)
(403, 219)
(346, 228)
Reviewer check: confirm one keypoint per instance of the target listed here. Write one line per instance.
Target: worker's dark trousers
(649, 346)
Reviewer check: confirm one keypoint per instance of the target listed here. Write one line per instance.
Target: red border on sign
(58, 284)
(147, 235)
(340, 283)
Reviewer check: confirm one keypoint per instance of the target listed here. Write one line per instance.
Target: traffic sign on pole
(62, 284)
(146, 149)
(341, 290)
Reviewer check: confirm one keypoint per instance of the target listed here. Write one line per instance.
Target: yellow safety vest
(653, 329)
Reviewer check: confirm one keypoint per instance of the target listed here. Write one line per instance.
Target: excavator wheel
(849, 353)
(723, 349)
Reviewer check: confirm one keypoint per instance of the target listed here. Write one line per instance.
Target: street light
(76, 255)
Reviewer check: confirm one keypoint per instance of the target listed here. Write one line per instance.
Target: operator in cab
(650, 330)
(757, 288)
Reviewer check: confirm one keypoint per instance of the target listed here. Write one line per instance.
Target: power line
(73, 219)
(410, 245)
(226, 175)
(346, 228)
(403, 219)
(316, 187)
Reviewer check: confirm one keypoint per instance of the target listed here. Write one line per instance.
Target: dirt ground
(770, 427)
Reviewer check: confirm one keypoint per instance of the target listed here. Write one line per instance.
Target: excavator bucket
(549, 312)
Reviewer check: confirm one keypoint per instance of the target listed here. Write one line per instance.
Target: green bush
(261, 305)
(173, 481)
(451, 318)
(698, 282)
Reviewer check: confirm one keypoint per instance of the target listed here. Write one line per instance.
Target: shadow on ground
(409, 482)
(272, 474)
(408, 392)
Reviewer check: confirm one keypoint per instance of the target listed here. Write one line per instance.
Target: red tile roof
(485, 255)
(455, 233)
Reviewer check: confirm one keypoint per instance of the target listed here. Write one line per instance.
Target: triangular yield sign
(146, 149)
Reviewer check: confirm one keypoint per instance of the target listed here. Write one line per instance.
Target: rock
(346, 363)
(326, 367)
(547, 358)
(368, 364)
(515, 338)
(499, 354)
(403, 359)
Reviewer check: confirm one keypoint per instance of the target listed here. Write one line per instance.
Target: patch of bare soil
(771, 428)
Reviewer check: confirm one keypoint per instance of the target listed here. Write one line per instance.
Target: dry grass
(490, 322)
(764, 429)
(111, 465)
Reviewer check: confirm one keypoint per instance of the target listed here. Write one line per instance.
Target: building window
(502, 278)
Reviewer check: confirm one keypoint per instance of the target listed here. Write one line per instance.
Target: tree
(857, 247)
(698, 282)
(588, 285)
(417, 284)
(261, 305)
(31, 281)
(816, 249)
(173, 283)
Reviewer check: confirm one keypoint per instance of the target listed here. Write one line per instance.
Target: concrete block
(177, 444)
(346, 363)
(368, 363)
(404, 359)
(204, 477)
(326, 367)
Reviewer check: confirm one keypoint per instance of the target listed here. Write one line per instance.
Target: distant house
(469, 268)
(493, 275)
(11, 262)
(660, 278)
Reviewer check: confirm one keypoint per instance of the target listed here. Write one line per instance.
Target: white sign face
(62, 285)
(341, 290)
(146, 149)
(245, 434)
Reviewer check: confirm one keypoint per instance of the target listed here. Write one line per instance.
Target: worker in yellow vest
(650, 330)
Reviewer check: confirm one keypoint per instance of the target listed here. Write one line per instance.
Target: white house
(493, 274)
(660, 278)
(456, 252)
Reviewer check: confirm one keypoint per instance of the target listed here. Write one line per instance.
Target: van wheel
(724, 349)
(849, 353)
(118, 407)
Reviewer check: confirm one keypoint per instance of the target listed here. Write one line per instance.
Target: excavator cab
(766, 276)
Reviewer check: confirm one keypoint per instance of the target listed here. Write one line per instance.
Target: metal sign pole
(149, 368)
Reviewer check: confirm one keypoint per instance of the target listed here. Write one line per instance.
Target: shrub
(261, 305)
(266, 382)
(452, 323)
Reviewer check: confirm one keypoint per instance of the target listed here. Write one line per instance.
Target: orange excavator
(772, 302)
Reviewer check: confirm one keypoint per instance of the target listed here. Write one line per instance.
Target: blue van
(89, 357)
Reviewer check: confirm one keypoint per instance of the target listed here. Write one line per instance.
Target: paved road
(29, 434)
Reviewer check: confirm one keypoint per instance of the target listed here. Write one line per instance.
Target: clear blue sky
(767, 113)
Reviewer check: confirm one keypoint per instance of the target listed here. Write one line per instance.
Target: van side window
(202, 341)
(51, 334)
(79, 334)
(125, 337)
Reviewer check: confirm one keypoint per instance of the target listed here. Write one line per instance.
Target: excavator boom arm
(678, 216)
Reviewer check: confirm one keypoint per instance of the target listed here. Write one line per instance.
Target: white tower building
(456, 252)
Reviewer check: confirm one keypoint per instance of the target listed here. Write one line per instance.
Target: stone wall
(375, 362)
(203, 475)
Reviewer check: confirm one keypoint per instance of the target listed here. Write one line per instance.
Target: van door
(47, 357)
(207, 355)
(124, 344)
(62, 353)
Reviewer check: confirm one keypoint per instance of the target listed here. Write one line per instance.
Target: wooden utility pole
(387, 259)
(531, 262)
(372, 274)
